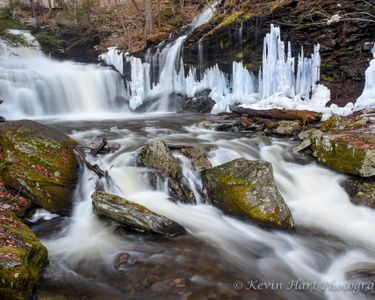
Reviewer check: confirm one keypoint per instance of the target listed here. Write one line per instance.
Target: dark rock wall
(345, 45)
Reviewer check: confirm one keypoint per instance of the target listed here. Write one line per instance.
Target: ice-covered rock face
(367, 99)
(163, 73)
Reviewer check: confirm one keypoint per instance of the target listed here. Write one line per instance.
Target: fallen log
(95, 168)
(100, 147)
(305, 116)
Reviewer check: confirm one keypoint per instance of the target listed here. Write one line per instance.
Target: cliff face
(344, 29)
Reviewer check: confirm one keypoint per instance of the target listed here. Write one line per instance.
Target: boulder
(247, 189)
(197, 157)
(38, 161)
(22, 258)
(157, 155)
(133, 215)
(200, 103)
(288, 128)
(361, 190)
(348, 152)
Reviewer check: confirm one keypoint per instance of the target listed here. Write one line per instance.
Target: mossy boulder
(158, 156)
(22, 258)
(133, 215)
(338, 124)
(349, 152)
(247, 189)
(39, 162)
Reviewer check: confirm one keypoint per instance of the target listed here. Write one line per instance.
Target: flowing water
(220, 257)
(333, 236)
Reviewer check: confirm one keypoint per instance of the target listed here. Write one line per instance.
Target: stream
(333, 236)
(220, 257)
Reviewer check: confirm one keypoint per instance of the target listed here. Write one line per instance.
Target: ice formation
(281, 74)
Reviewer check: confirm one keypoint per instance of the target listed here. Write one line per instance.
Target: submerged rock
(247, 189)
(348, 152)
(22, 258)
(158, 156)
(133, 215)
(39, 162)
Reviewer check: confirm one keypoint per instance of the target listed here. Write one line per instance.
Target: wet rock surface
(22, 256)
(247, 189)
(133, 215)
(38, 161)
(361, 191)
(157, 155)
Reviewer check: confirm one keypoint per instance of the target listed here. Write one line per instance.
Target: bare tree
(148, 25)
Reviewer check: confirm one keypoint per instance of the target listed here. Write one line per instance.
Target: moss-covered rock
(337, 123)
(39, 162)
(133, 215)
(247, 189)
(158, 156)
(349, 152)
(22, 258)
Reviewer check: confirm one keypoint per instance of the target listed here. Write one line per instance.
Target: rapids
(333, 236)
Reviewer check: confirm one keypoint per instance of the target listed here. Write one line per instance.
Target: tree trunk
(304, 116)
(49, 6)
(148, 25)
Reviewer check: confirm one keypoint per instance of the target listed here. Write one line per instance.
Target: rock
(288, 128)
(200, 103)
(247, 189)
(362, 280)
(338, 123)
(133, 215)
(310, 133)
(11, 202)
(124, 259)
(22, 258)
(361, 191)
(349, 152)
(178, 191)
(158, 156)
(245, 122)
(39, 162)
(306, 143)
(197, 157)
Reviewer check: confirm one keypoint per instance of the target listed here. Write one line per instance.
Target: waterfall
(33, 85)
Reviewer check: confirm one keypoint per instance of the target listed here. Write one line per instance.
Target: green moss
(41, 167)
(327, 78)
(338, 155)
(48, 42)
(239, 55)
(233, 193)
(22, 259)
(330, 123)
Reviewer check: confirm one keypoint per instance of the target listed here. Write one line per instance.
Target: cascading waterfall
(35, 86)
